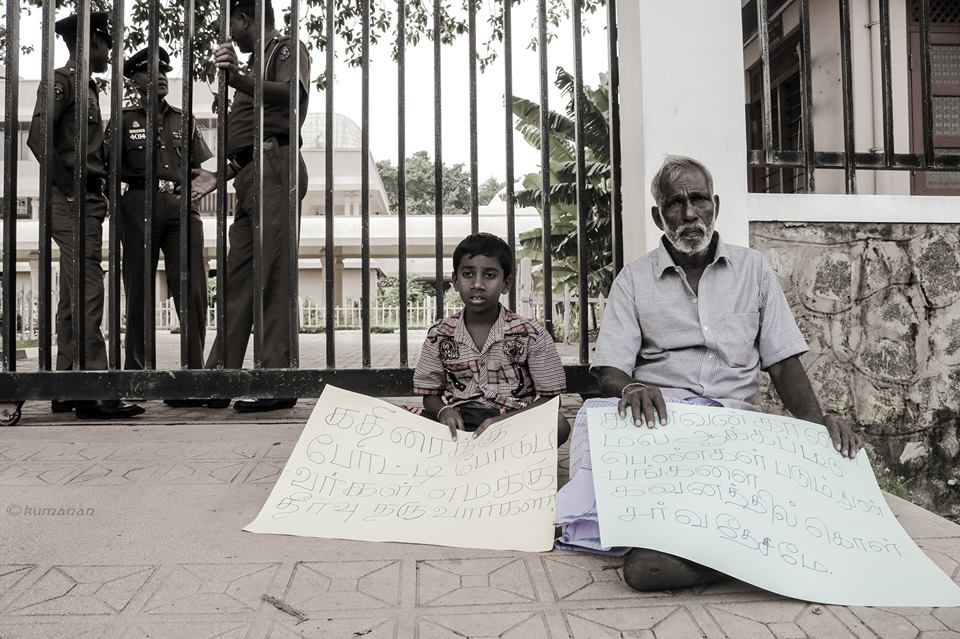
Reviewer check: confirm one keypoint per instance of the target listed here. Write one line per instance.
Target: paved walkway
(154, 548)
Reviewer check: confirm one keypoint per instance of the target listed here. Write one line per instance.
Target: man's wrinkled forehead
(689, 180)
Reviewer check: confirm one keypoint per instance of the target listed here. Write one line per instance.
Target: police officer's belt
(244, 156)
(163, 186)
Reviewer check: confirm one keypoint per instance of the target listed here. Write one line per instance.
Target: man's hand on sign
(645, 402)
(845, 440)
(450, 417)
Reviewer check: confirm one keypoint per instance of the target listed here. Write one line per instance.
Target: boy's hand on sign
(485, 423)
(452, 419)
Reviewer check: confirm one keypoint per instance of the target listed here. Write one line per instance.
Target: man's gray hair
(672, 166)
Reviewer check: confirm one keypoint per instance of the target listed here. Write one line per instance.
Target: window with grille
(945, 93)
(787, 118)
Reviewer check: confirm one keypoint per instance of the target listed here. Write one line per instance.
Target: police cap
(99, 24)
(139, 61)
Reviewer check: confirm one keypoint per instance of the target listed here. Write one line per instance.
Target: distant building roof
(346, 132)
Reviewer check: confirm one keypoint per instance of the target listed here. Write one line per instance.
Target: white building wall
(679, 75)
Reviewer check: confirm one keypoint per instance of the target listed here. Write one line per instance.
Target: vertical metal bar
(80, 140)
(545, 168)
(438, 162)
(925, 83)
(186, 138)
(150, 191)
(293, 191)
(11, 127)
(886, 78)
(806, 84)
(258, 48)
(474, 168)
(402, 173)
(221, 353)
(616, 179)
(329, 265)
(767, 96)
(113, 186)
(846, 75)
(508, 128)
(583, 210)
(46, 187)
(365, 184)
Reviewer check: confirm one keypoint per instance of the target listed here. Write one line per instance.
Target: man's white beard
(693, 243)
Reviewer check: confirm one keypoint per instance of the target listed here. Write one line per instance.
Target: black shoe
(646, 570)
(62, 407)
(262, 405)
(107, 409)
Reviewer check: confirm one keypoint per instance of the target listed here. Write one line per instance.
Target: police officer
(62, 201)
(171, 149)
(274, 225)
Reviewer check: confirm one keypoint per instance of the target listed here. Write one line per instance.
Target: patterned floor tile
(13, 574)
(212, 589)
(116, 473)
(212, 452)
(499, 625)
(70, 452)
(68, 630)
(344, 585)
(458, 582)
(200, 472)
(779, 619)
(889, 623)
(265, 472)
(148, 451)
(365, 628)
(13, 452)
(192, 629)
(586, 577)
(40, 473)
(654, 622)
(81, 590)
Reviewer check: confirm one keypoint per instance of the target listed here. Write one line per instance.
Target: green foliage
(388, 291)
(561, 136)
(420, 185)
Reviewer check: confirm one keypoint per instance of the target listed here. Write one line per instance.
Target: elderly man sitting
(690, 322)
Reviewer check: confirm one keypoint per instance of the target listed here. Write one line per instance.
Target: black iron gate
(46, 383)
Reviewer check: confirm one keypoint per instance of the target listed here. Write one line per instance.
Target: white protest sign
(366, 469)
(763, 498)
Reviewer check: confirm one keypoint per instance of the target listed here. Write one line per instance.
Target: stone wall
(879, 305)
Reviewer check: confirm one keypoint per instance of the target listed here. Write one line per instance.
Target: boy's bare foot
(645, 569)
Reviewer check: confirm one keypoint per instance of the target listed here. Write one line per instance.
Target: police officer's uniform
(275, 222)
(62, 213)
(166, 216)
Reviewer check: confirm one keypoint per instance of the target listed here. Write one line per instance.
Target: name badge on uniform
(138, 136)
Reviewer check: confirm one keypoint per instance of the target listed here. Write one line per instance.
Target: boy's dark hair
(488, 245)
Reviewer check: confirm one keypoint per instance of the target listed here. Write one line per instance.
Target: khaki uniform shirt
(276, 118)
(64, 108)
(170, 145)
(518, 362)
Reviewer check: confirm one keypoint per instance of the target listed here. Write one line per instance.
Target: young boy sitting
(486, 362)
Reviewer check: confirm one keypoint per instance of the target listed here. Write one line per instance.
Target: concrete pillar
(680, 67)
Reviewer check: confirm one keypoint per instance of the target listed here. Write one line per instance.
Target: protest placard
(366, 469)
(763, 498)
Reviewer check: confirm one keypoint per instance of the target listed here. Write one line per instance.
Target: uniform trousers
(274, 273)
(166, 238)
(62, 218)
